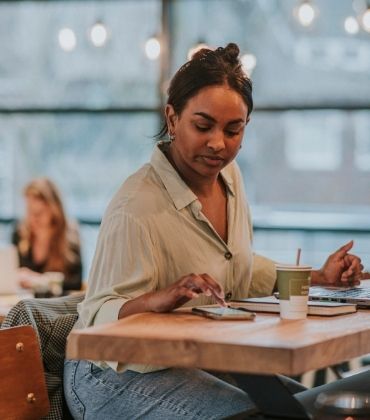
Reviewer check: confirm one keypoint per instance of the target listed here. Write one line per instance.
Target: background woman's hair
(63, 238)
(207, 68)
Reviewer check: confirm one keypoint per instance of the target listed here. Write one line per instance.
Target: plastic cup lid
(292, 267)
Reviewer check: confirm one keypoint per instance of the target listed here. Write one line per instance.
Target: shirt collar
(179, 192)
(226, 176)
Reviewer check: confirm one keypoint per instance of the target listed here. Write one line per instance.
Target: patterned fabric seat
(52, 320)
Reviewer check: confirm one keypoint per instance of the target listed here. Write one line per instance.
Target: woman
(178, 232)
(44, 239)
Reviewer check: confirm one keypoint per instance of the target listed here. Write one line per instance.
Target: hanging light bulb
(366, 20)
(98, 34)
(305, 13)
(196, 48)
(249, 62)
(67, 39)
(152, 48)
(351, 25)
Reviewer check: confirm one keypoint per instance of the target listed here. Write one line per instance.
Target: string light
(249, 62)
(351, 25)
(359, 6)
(98, 34)
(306, 13)
(67, 39)
(152, 48)
(366, 20)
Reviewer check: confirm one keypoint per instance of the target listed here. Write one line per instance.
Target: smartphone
(224, 313)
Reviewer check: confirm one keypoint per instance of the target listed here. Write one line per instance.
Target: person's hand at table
(187, 288)
(177, 294)
(27, 278)
(340, 269)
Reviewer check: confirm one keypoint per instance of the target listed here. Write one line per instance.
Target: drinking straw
(298, 256)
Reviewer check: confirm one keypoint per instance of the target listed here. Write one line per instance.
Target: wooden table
(266, 345)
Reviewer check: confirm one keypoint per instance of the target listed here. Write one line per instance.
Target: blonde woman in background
(45, 241)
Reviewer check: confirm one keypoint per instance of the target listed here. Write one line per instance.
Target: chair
(344, 370)
(22, 383)
(52, 320)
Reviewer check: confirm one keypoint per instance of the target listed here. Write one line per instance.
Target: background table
(8, 301)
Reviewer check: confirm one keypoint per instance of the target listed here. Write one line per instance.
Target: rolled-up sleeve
(123, 268)
(263, 277)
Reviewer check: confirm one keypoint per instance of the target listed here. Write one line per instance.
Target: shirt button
(228, 296)
(228, 255)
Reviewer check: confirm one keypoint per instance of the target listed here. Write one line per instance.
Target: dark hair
(206, 68)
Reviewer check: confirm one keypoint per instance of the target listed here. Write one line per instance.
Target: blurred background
(82, 87)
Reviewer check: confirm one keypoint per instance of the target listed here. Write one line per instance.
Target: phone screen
(224, 313)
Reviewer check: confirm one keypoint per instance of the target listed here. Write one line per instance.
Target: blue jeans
(94, 393)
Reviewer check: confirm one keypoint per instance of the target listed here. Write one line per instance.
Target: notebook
(360, 296)
(8, 270)
(271, 304)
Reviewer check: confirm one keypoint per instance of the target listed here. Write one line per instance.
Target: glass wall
(80, 101)
(51, 58)
(79, 112)
(305, 157)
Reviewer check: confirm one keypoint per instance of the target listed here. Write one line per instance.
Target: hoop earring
(171, 137)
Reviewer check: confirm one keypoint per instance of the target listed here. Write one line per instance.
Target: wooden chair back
(22, 383)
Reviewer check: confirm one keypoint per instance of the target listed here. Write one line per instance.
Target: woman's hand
(340, 269)
(27, 278)
(186, 288)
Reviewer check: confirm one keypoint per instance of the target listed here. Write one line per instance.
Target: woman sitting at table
(45, 240)
(179, 232)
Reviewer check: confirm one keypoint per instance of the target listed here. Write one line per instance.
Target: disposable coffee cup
(54, 280)
(40, 287)
(293, 283)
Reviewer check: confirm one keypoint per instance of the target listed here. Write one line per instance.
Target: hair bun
(230, 53)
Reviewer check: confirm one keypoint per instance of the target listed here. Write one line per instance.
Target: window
(85, 114)
(362, 139)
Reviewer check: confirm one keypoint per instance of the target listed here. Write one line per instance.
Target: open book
(271, 304)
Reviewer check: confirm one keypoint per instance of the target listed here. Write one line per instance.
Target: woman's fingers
(214, 288)
(353, 273)
(204, 283)
(186, 292)
(343, 250)
(354, 263)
